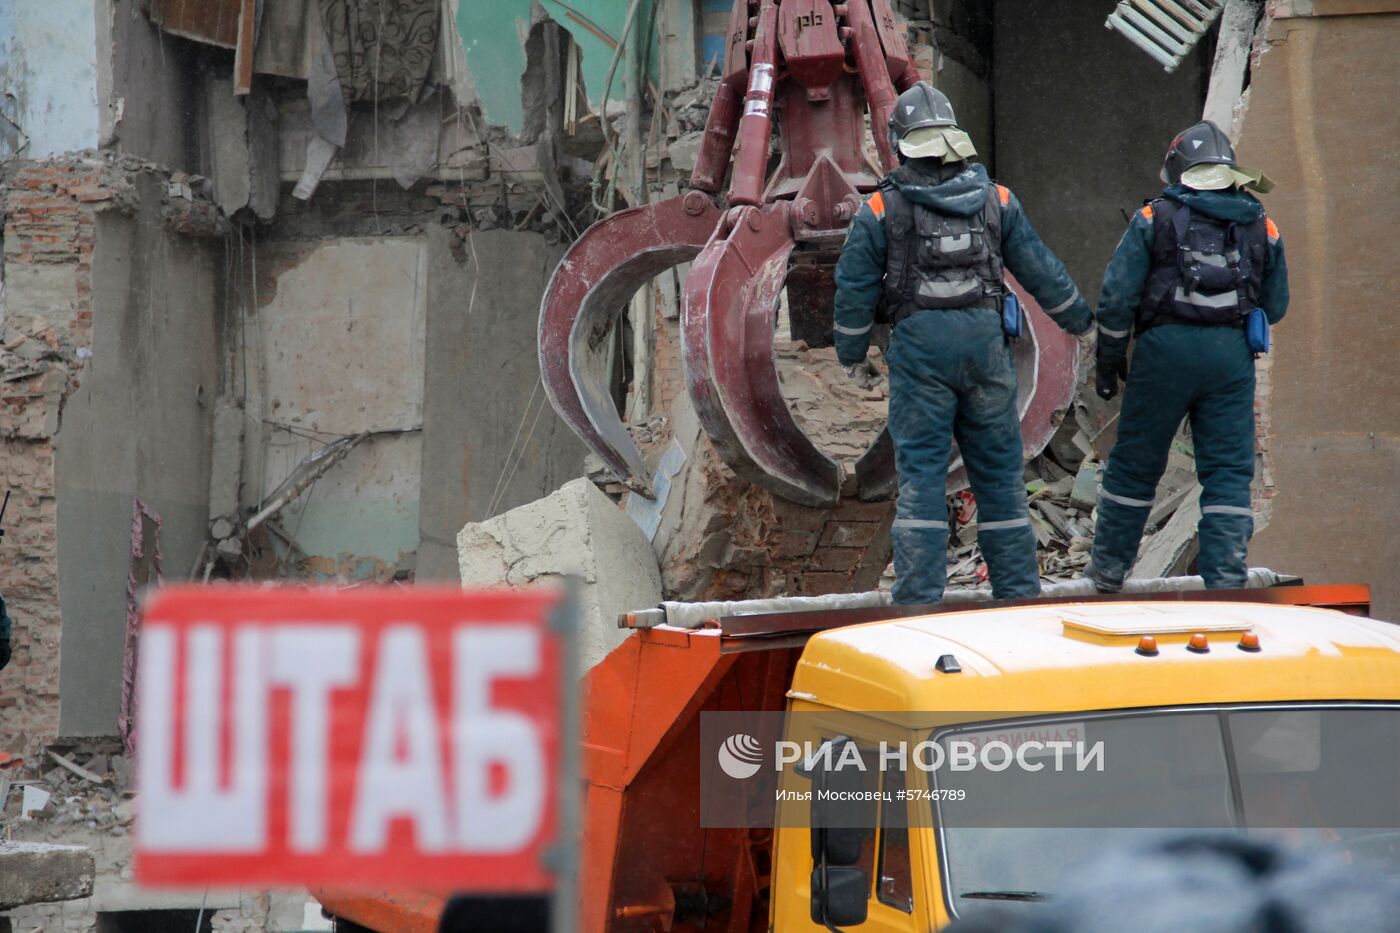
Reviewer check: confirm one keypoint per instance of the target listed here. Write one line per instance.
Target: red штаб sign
(381, 735)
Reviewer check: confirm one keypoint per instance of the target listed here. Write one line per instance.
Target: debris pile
(87, 785)
(1062, 485)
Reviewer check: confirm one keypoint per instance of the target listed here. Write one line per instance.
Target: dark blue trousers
(1179, 371)
(952, 377)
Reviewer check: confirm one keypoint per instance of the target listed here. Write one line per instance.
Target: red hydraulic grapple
(814, 67)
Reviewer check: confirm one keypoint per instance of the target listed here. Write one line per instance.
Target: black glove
(863, 374)
(1109, 373)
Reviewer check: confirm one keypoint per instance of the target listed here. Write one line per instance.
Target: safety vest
(935, 260)
(1204, 270)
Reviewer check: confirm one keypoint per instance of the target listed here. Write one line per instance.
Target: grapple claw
(791, 61)
(586, 293)
(727, 324)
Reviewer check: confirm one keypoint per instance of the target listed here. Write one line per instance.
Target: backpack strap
(898, 214)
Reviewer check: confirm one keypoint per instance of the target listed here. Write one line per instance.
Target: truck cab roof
(1081, 656)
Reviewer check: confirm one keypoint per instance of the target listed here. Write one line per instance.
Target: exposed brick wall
(738, 541)
(667, 376)
(49, 210)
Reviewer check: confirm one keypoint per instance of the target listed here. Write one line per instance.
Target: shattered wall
(334, 346)
(484, 290)
(155, 348)
(45, 110)
(1315, 124)
(108, 310)
(494, 35)
(47, 319)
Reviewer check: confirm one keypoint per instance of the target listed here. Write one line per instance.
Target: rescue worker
(1192, 266)
(931, 244)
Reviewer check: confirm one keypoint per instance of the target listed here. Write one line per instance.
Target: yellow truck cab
(1276, 719)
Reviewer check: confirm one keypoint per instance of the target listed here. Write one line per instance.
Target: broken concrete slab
(37, 873)
(1170, 551)
(1085, 492)
(1168, 501)
(576, 531)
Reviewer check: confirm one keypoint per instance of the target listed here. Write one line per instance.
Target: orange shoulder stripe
(1146, 211)
(877, 204)
(1271, 227)
(1004, 193)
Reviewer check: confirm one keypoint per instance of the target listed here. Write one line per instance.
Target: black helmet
(920, 106)
(1205, 142)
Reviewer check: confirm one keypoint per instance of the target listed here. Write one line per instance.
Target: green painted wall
(494, 34)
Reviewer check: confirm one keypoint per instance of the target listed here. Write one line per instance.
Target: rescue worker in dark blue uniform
(927, 250)
(1187, 277)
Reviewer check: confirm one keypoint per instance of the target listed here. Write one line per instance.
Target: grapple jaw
(586, 294)
(727, 325)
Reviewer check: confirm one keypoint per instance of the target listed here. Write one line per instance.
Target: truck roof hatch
(1110, 624)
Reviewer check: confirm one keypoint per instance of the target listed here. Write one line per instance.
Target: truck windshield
(1319, 775)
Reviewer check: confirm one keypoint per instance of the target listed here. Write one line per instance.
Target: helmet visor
(1213, 176)
(938, 142)
(1209, 176)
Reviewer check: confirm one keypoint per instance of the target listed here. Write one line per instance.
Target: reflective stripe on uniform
(1004, 193)
(1114, 333)
(1222, 300)
(1213, 259)
(1023, 522)
(1073, 297)
(877, 204)
(1124, 500)
(920, 523)
(853, 331)
(1227, 510)
(949, 290)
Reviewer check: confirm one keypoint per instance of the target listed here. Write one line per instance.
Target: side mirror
(841, 822)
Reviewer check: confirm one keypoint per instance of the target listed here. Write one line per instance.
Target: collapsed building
(270, 289)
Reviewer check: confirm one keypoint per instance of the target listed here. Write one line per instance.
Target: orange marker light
(1198, 643)
(1147, 646)
(1249, 642)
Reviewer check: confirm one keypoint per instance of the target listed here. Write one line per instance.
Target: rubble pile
(87, 785)
(839, 416)
(1062, 486)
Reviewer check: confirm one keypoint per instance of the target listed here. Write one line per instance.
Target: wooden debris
(79, 770)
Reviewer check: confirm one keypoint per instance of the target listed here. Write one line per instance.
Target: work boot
(1101, 582)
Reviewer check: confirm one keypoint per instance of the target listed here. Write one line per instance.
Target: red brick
(821, 584)
(843, 559)
(857, 511)
(800, 517)
(791, 543)
(850, 534)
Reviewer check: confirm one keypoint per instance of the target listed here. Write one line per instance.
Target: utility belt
(1157, 320)
(1008, 306)
(1255, 325)
(908, 309)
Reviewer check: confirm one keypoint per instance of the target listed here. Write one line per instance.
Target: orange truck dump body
(646, 862)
